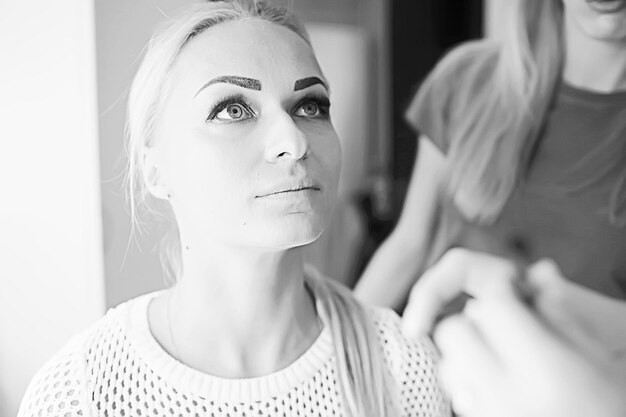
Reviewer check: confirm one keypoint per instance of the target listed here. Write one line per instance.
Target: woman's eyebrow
(303, 83)
(249, 83)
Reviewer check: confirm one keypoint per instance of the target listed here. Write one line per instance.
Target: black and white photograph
(313, 208)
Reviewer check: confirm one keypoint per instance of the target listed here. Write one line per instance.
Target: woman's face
(244, 145)
(598, 19)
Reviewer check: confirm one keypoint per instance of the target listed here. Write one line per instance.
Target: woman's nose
(284, 140)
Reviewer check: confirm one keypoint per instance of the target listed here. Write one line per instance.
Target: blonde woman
(229, 129)
(522, 151)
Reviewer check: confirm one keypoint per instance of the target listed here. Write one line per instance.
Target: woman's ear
(152, 175)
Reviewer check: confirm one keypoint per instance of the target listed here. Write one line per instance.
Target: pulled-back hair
(365, 384)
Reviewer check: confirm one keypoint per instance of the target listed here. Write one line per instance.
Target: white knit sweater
(117, 368)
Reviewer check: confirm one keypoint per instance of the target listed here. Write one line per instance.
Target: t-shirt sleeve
(413, 366)
(59, 387)
(428, 112)
(458, 74)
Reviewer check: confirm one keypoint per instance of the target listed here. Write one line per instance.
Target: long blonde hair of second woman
(499, 109)
(366, 386)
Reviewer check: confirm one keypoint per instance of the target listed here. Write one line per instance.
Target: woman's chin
(292, 232)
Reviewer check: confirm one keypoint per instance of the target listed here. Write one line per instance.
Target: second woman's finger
(469, 371)
(459, 271)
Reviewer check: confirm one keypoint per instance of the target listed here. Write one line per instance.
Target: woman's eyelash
(322, 102)
(225, 102)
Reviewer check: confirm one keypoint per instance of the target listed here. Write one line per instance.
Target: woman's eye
(314, 108)
(309, 109)
(233, 112)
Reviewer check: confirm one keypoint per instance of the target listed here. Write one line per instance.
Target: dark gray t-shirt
(570, 205)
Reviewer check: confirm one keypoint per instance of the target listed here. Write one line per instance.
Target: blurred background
(66, 254)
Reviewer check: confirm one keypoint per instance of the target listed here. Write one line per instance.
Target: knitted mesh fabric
(116, 368)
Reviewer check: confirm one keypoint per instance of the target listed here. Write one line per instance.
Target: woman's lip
(290, 190)
(607, 6)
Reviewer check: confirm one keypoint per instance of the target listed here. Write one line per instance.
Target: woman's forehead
(250, 48)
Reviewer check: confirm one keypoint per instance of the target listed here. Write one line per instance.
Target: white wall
(50, 233)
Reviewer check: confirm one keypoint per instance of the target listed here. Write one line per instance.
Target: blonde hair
(500, 105)
(364, 382)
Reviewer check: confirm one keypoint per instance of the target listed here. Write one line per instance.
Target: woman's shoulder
(467, 57)
(461, 73)
(412, 364)
(463, 68)
(60, 386)
(113, 325)
(396, 345)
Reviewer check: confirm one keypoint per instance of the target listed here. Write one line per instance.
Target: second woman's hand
(502, 358)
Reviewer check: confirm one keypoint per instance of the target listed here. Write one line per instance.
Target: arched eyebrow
(307, 82)
(249, 83)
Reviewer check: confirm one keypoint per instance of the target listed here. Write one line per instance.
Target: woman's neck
(238, 313)
(593, 64)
